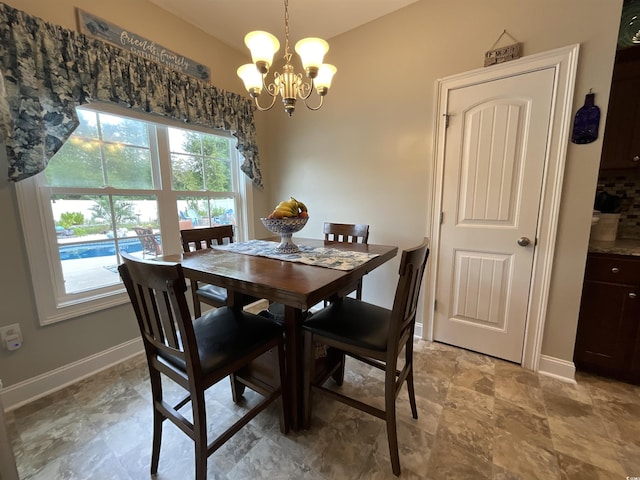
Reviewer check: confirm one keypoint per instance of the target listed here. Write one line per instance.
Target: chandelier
(288, 84)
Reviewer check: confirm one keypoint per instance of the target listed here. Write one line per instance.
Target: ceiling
(231, 20)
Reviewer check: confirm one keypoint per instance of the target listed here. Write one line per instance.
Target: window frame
(38, 225)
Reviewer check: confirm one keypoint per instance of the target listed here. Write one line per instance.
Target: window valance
(46, 71)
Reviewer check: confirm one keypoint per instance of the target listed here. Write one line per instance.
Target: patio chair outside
(150, 245)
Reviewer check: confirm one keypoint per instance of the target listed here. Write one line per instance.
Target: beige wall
(365, 157)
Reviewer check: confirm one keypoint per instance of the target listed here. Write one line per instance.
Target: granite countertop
(621, 246)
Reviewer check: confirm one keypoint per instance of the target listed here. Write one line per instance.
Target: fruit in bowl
(288, 217)
(291, 208)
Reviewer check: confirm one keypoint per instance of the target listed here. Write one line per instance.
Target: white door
(495, 149)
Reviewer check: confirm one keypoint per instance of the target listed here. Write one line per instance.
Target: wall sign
(96, 27)
(503, 54)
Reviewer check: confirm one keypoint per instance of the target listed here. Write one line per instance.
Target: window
(122, 183)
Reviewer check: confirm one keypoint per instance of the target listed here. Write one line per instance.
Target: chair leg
(237, 388)
(284, 388)
(390, 418)
(197, 310)
(338, 375)
(157, 440)
(411, 390)
(412, 394)
(309, 372)
(158, 418)
(200, 438)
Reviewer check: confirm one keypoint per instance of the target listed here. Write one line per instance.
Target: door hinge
(446, 120)
(441, 217)
(435, 305)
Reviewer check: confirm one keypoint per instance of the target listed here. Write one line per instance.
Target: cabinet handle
(636, 159)
(615, 270)
(632, 295)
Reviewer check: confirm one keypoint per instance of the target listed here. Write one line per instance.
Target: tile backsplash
(625, 183)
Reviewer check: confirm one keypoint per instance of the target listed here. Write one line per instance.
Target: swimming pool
(98, 249)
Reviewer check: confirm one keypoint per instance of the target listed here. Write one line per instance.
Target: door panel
(479, 283)
(495, 153)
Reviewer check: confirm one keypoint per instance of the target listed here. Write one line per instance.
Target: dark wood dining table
(295, 285)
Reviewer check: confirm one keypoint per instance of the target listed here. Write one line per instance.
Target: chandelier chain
(287, 54)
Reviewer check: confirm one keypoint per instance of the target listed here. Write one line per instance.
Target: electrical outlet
(11, 336)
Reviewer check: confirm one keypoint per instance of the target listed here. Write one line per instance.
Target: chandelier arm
(305, 90)
(271, 89)
(314, 108)
(264, 109)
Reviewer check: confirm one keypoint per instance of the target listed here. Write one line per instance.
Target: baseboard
(557, 368)
(24, 392)
(417, 333)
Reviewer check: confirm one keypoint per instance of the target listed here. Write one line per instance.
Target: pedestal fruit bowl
(289, 217)
(285, 227)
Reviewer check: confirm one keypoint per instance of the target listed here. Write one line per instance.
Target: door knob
(523, 241)
(636, 159)
(632, 295)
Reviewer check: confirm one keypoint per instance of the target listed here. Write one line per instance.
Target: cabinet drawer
(613, 268)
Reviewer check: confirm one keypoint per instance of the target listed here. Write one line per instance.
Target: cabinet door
(607, 328)
(621, 145)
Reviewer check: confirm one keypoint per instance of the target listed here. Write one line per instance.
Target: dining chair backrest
(405, 303)
(200, 238)
(157, 292)
(346, 232)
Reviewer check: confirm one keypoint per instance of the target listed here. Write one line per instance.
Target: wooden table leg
(293, 346)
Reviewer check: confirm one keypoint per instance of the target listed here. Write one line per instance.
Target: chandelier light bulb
(312, 51)
(263, 47)
(251, 78)
(323, 80)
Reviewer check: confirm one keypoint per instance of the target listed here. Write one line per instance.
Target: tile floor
(479, 418)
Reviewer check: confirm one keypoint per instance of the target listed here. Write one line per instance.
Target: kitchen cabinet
(608, 336)
(621, 144)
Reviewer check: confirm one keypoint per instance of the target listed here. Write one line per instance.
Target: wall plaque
(503, 54)
(106, 31)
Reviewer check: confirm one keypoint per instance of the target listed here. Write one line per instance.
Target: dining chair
(333, 232)
(373, 335)
(150, 245)
(348, 233)
(203, 238)
(197, 354)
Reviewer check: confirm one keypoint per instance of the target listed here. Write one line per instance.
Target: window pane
(88, 127)
(200, 161)
(87, 244)
(77, 164)
(217, 175)
(205, 212)
(89, 266)
(128, 167)
(187, 173)
(183, 141)
(100, 140)
(124, 130)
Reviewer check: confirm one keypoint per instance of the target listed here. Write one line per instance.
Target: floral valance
(46, 71)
